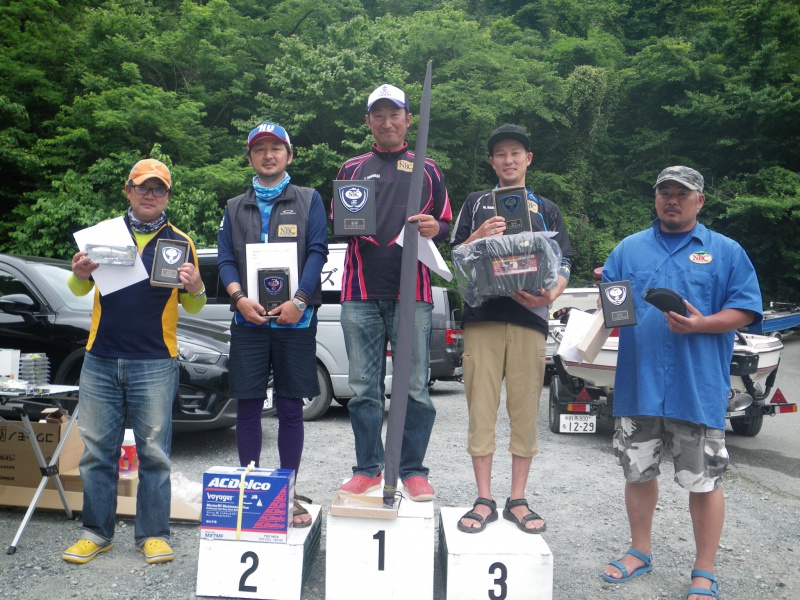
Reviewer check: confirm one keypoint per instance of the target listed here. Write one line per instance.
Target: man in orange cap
(131, 372)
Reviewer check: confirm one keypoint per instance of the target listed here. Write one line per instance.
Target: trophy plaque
(511, 203)
(617, 304)
(354, 207)
(117, 256)
(170, 254)
(273, 288)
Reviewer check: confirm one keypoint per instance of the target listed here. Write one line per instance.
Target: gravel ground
(575, 484)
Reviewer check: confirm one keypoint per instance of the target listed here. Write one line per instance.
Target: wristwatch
(301, 306)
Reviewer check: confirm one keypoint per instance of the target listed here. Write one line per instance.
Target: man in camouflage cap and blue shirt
(673, 371)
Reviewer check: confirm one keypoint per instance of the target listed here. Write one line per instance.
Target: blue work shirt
(665, 374)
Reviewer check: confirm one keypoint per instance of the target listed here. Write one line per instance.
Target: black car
(39, 314)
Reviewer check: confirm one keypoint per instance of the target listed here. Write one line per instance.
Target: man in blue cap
(282, 340)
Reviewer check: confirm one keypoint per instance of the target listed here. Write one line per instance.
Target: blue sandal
(646, 568)
(711, 593)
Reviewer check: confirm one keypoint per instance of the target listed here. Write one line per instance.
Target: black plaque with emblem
(170, 254)
(273, 288)
(617, 304)
(511, 203)
(354, 207)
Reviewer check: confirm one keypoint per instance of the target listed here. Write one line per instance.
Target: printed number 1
(500, 581)
(381, 537)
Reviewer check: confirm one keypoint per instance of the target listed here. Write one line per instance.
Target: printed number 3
(500, 581)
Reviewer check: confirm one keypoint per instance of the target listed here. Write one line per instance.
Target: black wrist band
(235, 297)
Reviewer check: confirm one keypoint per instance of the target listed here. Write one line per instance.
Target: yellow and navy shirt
(141, 320)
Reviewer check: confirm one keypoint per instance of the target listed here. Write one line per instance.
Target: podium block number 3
(500, 570)
(243, 587)
(381, 537)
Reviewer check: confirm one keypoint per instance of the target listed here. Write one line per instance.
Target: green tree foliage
(612, 91)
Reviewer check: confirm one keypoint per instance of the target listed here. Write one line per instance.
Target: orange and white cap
(150, 168)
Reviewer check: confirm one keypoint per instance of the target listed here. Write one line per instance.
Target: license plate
(268, 399)
(578, 423)
(736, 413)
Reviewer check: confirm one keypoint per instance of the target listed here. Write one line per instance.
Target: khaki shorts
(492, 352)
(698, 451)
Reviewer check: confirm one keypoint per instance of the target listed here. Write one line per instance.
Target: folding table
(18, 406)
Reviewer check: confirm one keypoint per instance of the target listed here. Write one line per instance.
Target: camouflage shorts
(698, 451)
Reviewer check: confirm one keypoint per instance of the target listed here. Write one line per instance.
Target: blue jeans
(110, 390)
(367, 325)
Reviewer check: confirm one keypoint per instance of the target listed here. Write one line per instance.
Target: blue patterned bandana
(266, 194)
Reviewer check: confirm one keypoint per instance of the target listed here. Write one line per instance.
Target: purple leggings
(290, 431)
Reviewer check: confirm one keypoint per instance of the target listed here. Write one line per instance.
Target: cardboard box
(266, 502)
(126, 487)
(589, 347)
(126, 507)
(18, 464)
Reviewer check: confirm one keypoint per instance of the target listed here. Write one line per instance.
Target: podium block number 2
(381, 537)
(500, 570)
(243, 587)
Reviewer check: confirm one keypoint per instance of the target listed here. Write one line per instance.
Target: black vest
(288, 222)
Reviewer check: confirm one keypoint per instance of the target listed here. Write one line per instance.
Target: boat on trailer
(581, 391)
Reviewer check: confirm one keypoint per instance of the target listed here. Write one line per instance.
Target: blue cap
(268, 129)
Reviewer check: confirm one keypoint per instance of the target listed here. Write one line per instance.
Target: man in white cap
(370, 292)
(673, 370)
(130, 371)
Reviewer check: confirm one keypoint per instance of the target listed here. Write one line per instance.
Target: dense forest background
(612, 91)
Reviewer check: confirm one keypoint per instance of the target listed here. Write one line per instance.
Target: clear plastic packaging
(500, 265)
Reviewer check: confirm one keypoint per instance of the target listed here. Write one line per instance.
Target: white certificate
(271, 256)
(428, 254)
(111, 278)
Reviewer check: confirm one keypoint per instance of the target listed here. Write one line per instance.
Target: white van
(332, 364)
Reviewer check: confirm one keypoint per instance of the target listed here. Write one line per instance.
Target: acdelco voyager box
(265, 497)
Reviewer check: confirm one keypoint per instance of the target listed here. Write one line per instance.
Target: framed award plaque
(353, 207)
(616, 301)
(511, 203)
(273, 288)
(170, 254)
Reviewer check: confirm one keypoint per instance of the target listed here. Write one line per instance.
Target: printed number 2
(499, 582)
(381, 537)
(243, 587)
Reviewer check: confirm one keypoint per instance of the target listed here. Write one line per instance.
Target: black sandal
(491, 518)
(298, 511)
(532, 516)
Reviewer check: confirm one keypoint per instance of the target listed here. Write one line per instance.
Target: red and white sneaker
(361, 484)
(418, 488)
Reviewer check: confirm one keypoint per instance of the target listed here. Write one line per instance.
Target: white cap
(129, 439)
(388, 92)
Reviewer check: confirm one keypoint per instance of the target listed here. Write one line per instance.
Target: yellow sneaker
(156, 551)
(83, 551)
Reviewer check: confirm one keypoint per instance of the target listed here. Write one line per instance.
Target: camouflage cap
(683, 175)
